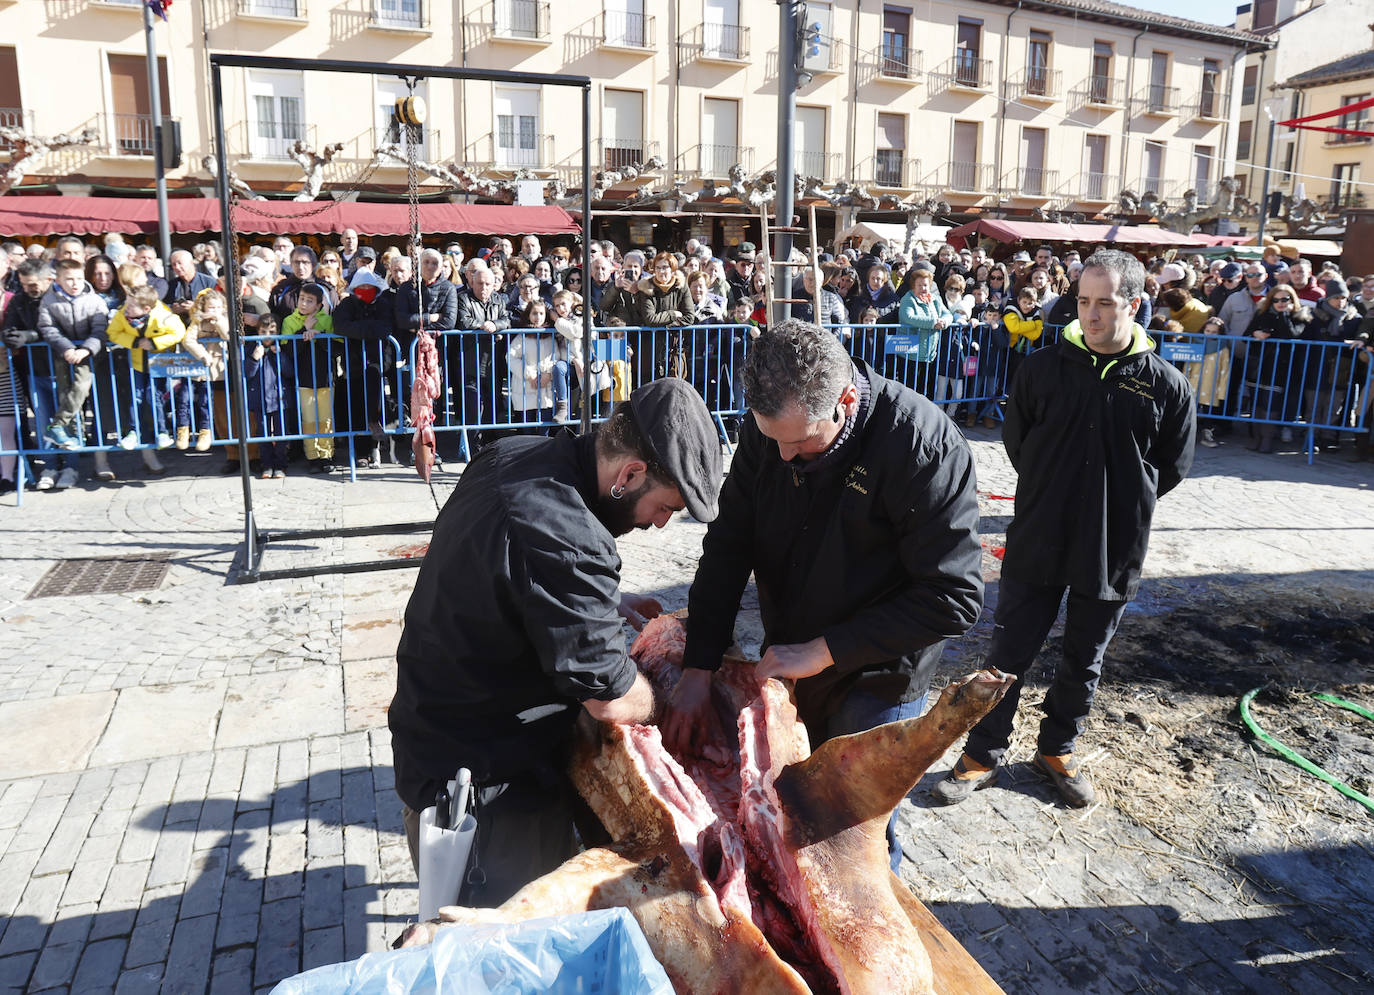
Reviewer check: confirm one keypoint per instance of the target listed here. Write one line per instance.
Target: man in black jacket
(476, 359)
(513, 631)
(853, 501)
(1098, 428)
(367, 319)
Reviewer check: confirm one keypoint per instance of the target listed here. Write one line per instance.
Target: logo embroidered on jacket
(851, 478)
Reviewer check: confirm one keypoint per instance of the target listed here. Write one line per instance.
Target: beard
(618, 516)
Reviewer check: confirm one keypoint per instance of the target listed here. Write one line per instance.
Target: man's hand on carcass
(685, 721)
(637, 610)
(793, 661)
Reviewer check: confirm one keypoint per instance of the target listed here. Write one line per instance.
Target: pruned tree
(312, 163)
(27, 151)
(236, 183)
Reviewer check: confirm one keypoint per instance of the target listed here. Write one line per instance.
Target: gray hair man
(852, 500)
(1098, 428)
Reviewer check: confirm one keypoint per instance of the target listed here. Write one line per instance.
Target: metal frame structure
(253, 541)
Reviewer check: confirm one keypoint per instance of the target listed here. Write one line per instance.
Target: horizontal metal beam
(230, 59)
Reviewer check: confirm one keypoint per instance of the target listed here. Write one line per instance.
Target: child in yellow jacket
(314, 360)
(1024, 321)
(144, 325)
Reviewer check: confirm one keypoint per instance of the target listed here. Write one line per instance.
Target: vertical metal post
(1264, 189)
(155, 98)
(588, 379)
(786, 170)
(252, 555)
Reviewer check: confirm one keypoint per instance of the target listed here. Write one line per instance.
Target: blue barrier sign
(1183, 352)
(902, 345)
(176, 366)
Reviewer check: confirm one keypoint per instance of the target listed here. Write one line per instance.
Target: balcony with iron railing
(524, 21)
(400, 15)
(624, 29)
(715, 161)
(715, 43)
(617, 153)
(271, 141)
(823, 166)
(512, 151)
(1156, 100)
(965, 72)
(897, 63)
(1247, 94)
(892, 168)
(1161, 187)
(1100, 92)
(966, 177)
(1091, 188)
(14, 117)
(1030, 181)
(273, 10)
(132, 134)
(1037, 84)
(1363, 124)
(1209, 105)
(1342, 200)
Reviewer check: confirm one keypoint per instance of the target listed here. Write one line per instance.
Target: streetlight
(1269, 106)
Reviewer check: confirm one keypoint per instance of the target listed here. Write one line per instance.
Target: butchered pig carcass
(753, 865)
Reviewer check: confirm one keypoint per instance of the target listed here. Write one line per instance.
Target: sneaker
(1206, 438)
(47, 480)
(967, 777)
(165, 441)
(278, 474)
(265, 475)
(67, 478)
(184, 437)
(56, 436)
(102, 467)
(203, 440)
(560, 412)
(130, 441)
(1073, 785)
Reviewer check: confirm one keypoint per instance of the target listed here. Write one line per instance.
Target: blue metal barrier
(334, 392)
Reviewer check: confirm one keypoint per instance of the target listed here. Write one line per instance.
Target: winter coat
(660, 307)
(1192, 316)
(1095, 442)
(271, 380)
(920, 316)
(184, 290)
(473, 314)
(1274, 362)
(439, 297)
(21, 326)
(1328, 364)
(530, 356)
(76, 322)
(512, 622)
(315, 361)
(163, 328)
(885, 302)
(1023, 330)
(873, 547)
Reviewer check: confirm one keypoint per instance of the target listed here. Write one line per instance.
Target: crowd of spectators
(107, 349)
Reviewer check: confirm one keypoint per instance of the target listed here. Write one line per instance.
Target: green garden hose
(1296, 758)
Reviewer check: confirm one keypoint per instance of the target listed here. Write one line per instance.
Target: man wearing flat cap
(853, 502)
(514, 627)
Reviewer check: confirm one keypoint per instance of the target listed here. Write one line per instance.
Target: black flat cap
(673, 418)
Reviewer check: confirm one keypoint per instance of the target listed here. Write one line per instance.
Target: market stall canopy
(1292, 248)
(1046, 231)
(926, 237)
(49, 215)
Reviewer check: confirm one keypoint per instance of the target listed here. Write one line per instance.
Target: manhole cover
(103, 575)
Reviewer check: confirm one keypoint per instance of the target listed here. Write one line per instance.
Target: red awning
(21, 215)
(1045, 231)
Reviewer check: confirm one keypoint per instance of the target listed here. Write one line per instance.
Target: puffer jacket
(78, 322)
(659, 306)
(163, 329)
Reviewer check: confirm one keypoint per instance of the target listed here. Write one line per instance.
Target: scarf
(838, 451)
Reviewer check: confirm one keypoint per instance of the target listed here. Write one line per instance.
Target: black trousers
(1025, 614)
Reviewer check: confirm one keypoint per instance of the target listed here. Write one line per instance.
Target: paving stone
(48, 734)
(282, 958)
(232, 973)
(15, 971)
(188, 962)
(28, 927)
(139, 980)
(99, 966)
(56, 966)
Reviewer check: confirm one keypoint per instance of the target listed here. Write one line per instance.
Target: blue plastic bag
(583, 953)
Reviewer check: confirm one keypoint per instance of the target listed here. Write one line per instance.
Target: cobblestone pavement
(195, 781)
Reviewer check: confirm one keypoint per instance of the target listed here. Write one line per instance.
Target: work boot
(967, 777)
(1206, 438)
(203, 440)
(560, 412)
(1073, 785)
(183, 437)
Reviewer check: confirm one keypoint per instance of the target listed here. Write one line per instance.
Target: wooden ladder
(787, 266)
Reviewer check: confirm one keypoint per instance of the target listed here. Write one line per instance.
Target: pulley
(410, 110)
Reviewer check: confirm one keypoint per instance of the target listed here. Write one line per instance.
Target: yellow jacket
(1020, 328)
(164, 330)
